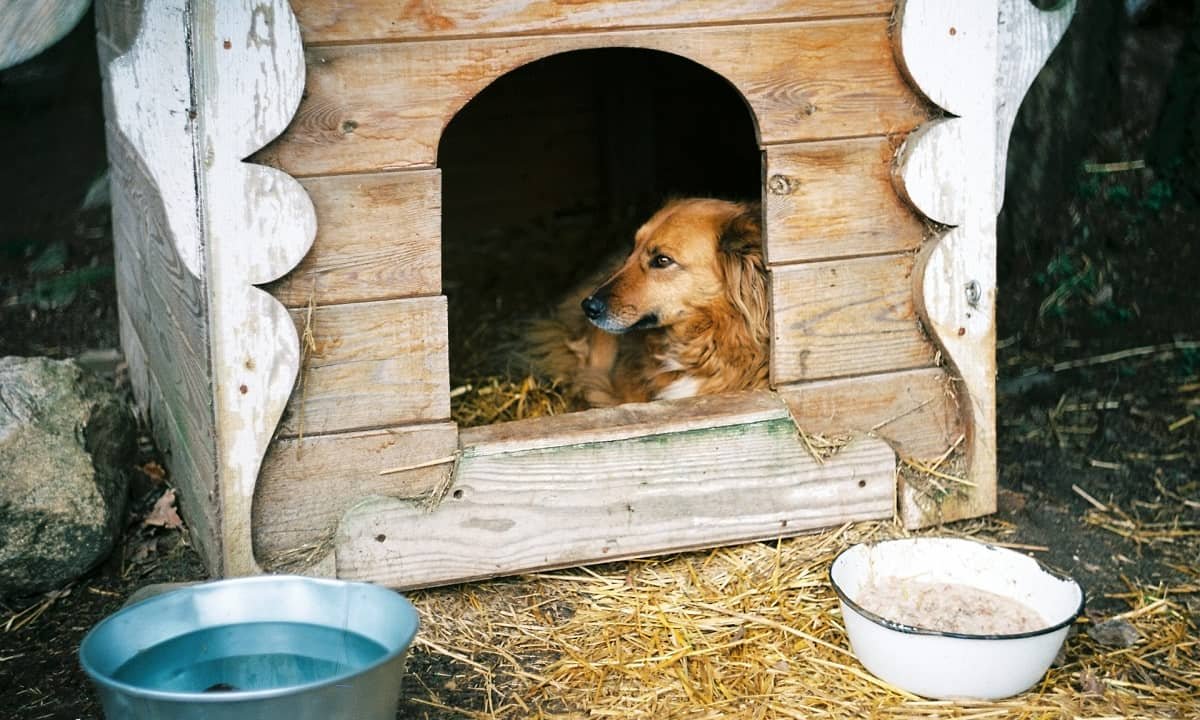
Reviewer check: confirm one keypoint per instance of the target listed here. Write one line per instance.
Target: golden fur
(684, 314)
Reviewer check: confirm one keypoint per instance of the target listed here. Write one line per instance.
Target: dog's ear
(742, 262)
(742, 234)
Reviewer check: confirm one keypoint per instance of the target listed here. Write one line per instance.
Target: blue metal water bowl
(263, 648)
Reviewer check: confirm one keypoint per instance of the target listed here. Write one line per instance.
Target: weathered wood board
(915, 411)
(383, 106)
(375, 364)
(975, 62)
(835, 199)
(306, 485)
(736, 470)
(28, 28)
(322, 22)
(845, 317)
(163, 306)
(190, 458)
(378, 238)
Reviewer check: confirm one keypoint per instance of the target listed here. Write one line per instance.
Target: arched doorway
(551, 168)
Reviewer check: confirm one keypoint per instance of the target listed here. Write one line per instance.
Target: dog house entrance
(545, 176)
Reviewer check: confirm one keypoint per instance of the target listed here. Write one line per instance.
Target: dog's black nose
(593, 307)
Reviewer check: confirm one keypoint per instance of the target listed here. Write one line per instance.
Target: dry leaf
(164, 514)
(157, 473)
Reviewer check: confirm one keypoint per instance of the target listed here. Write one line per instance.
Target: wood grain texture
(164, 335)
(595, 502)
(915, 411)
(117, 23)
(27, 28)
(383, 106)
(188, 453)
(146, 97)
(307, 485)
(835, 198)
(845, 317)
(623, 422)
(137, 363)
(193, 469)
(1026, 36)
(378, 238)
(376, 364)
(165, 304)
(247, 70)
(933, 182)
(374, 20)
(948, 172)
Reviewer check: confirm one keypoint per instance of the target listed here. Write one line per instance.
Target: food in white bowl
(949, 618)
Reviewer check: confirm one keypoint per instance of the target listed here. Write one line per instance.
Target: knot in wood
(782, 185)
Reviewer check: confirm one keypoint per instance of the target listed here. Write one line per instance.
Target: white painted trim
(248, 76)
(975, 60)
(150, 102)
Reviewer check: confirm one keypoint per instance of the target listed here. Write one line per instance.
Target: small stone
(1118, 633)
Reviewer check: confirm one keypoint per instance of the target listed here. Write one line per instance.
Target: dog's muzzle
(593, 307)
(596, 308)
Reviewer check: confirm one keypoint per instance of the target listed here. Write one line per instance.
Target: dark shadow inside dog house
(545, 176)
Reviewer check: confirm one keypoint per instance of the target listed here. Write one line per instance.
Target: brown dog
(684, 314)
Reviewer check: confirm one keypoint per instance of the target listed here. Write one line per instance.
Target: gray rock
(66, 443)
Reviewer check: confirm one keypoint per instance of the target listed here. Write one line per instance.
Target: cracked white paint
(975, 60)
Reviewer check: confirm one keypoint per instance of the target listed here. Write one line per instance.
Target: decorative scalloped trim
(248, 75)
(975, 60)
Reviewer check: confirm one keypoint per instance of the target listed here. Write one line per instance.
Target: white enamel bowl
(946, 665)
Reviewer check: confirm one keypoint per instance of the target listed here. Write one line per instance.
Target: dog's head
(689, 255)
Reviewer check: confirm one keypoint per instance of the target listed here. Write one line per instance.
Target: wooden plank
(117, 23)
(953, 53)
(378, 238)
(154, 66)
(595, 502)
(835, 198)
(28, 28)
(189, 457)
(376, 364)
(136, 361)
(915, 411)
(162, 311)
(1027, 35)
(623, 422)
(193, 471)
(372, 107)
(845, 317)
(307, 485)
(374, 20)
(247, 77)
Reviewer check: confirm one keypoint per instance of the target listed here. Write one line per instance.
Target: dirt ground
(1099, 403)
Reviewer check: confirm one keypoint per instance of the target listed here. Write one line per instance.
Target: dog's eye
(661, 261)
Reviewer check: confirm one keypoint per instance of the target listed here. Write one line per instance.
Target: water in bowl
(249, 656)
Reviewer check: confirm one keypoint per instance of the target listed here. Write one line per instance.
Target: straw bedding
(752, 631)
(748, 632)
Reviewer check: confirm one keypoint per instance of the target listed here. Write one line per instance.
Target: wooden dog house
(275, 186)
